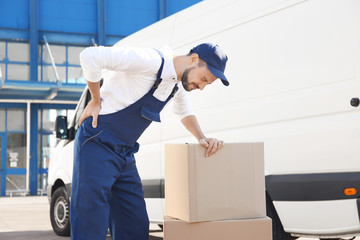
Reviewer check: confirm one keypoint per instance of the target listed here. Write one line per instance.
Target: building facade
(41, 77)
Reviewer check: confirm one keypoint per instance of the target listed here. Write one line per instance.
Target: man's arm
(212, 144)
(94, 59)
(94, 106)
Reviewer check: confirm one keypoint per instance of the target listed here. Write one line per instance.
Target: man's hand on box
(212, 145)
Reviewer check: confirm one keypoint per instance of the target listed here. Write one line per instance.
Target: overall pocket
(150, 114)
(92, 137)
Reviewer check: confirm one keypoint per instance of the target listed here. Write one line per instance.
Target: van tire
(277, 227)
(60, 212)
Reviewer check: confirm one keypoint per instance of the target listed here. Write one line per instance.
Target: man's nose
(202, 86)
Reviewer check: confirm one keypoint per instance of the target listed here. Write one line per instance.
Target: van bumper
(316, 204)
(320, 219)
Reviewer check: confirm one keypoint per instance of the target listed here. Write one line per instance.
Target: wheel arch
(58, 183)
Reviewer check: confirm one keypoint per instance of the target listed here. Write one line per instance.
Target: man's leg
(128, 216)
(90, 193)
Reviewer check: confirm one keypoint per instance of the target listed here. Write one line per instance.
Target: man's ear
(194, 59)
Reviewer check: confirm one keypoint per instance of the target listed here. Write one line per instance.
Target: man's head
(206, 63)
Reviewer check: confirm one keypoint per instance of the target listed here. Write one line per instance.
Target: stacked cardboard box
(222, 195)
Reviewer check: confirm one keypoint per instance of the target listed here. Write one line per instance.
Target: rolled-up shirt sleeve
(94, 59)
(182, 103)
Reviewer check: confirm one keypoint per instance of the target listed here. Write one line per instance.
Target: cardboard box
(254, 229)
(228, 185)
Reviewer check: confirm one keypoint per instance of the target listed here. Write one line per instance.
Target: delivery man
(106, 188)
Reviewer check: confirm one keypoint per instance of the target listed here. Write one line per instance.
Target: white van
(294, 72)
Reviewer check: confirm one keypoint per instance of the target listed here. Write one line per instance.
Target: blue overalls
(106, 187)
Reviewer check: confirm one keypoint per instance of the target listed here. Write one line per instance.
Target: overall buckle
(157, 83)
(175, 89)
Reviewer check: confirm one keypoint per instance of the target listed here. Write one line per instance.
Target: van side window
(83, 103)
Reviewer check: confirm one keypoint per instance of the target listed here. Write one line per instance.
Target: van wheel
(60, 212)
(277, 228)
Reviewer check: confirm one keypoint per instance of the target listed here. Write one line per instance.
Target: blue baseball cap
(215, 58)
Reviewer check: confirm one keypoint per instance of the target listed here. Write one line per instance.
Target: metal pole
(162, 9)
(34, 39)
(52, 59)
(101, 17)
(28, 108)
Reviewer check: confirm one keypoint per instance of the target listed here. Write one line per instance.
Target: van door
(13, 163)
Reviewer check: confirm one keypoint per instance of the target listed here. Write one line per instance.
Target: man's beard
(184, 79)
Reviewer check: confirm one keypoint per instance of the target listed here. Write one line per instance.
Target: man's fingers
(204, 143)
(94, 122)
(82, 118)
(212, 145)
(214, 148)
(220, 145)
(91, 110)
(209, 149)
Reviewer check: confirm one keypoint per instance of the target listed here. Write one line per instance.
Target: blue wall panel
(14, 14)
(76, 16)
(123, 17)
(174, 6)
(126, 17)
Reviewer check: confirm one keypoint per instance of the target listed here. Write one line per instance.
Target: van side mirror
(61, 129)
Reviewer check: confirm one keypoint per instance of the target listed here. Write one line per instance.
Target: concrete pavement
(29, 218)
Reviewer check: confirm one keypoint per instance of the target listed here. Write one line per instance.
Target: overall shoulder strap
(158, 77)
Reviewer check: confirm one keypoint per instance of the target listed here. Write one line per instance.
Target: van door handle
(355, 102)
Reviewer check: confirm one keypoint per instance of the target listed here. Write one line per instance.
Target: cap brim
(219, 74)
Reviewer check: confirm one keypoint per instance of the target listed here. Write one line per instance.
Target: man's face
(197, 78)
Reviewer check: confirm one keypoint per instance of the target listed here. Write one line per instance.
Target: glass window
(58, 53)
(2, 72)
(39, 118)
(49, 73)
(18, 52)
(15, 183)
(62, 73)
(15, 120)
(83, 102)
(46, 150)
(75, 75)
(2, 120)
(39, 73)
(48, 120)
(16, 150)
(73, 55)
(18, 72)
(46, 144)
(2, 50)
(70, 114)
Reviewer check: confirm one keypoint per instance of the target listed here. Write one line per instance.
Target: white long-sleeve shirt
(131, 74)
